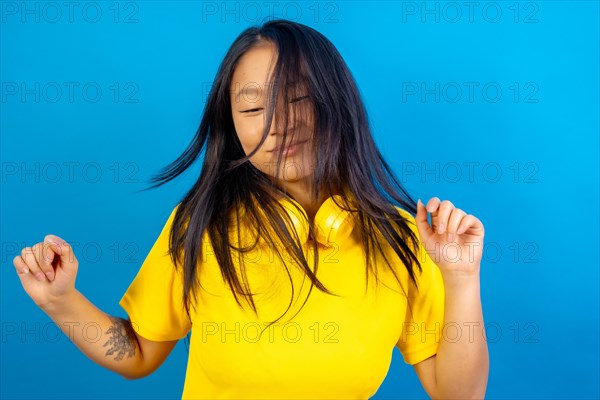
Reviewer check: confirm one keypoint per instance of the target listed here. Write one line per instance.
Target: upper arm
(154, 353)
(426, 372)
(154, 304)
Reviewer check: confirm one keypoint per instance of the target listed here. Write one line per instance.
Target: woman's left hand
(454, 240)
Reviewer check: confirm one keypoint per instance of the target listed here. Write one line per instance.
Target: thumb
(63, 250)
(425, 230)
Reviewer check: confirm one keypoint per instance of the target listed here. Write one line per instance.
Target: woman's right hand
(47, 271)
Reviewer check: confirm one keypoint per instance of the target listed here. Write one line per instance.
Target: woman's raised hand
(454, 240)
(47, 271)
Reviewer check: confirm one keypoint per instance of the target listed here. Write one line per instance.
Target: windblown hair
(348, 163)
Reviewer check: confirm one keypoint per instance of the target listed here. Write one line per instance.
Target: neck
(301, 191)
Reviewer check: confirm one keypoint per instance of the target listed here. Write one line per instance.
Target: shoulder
(408, 218)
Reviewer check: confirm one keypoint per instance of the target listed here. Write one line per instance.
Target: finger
(28, 255)
(432, 206)
(453, 222)
(470, 224)
(52, 244)
(65, 252)
(443, 214)
(53, 238)
(20, 265)
(44, 260)
(423, 226)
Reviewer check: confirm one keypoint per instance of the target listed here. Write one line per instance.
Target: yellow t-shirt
(336, 347)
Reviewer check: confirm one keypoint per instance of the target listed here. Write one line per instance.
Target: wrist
(60, 303)
(461, 279)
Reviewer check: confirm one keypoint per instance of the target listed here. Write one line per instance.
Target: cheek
(249, 133)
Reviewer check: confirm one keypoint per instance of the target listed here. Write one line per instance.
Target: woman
(292, 186)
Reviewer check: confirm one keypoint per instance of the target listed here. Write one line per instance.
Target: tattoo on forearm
(122, 339)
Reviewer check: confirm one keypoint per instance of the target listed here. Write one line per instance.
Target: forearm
(462, 364)
(109, 341)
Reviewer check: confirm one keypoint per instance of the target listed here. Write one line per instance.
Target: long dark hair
(348, 162)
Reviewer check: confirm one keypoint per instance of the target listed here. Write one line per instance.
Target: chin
(290, 172)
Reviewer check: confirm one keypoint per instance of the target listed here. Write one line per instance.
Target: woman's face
(249, 92)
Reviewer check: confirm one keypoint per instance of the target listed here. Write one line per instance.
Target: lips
(289, 145)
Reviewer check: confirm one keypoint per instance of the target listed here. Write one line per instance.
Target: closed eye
(251, 110)
(299, 98)
(258, 109)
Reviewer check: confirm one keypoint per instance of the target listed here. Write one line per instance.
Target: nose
(278, 122)
(297, 111)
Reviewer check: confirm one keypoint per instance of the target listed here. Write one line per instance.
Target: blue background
(535, 186)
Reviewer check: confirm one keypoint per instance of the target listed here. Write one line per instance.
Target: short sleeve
(424, 319)
(154, 300)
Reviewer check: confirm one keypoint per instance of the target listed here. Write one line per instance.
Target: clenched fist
(47, 271)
